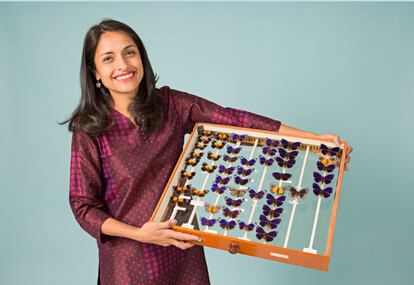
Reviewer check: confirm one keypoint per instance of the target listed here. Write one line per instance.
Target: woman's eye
(131, 52)
(105, 59)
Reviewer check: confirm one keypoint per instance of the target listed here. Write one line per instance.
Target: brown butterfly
(188, 175)
(207, 133)
(179, 200)
(208, 168)
(204, 140)
(213, 156)
(192, 161)
(185, 190)
(200, 146)
(199, 193)
(196, 154)
(212, 208)
(222, 136)
(238, 192)
(279, 190)
(298, 193)
(218, 144)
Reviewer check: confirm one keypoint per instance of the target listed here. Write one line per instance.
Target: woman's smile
(125, 77)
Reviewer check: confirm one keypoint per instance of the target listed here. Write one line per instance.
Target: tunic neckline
(125, 117)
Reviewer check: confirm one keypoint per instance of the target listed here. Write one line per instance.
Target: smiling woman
(127, 137)
(119, 67)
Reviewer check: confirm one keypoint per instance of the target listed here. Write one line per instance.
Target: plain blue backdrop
(343, 68)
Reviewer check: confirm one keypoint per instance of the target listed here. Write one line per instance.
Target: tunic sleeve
(87, 186)
(192, 109)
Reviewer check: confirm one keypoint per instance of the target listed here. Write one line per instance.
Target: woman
(127, 137)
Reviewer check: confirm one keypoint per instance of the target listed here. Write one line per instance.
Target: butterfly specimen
(200, 146)
(218, 189)
(240, 180)
(265, 161)
(256, 195)
(234, 202)
(188, 175)
(265, 222)
(227, 225)
(323, 179)
(246, 227)
(197, 155)
(273, 213)
(222, 180)
(199, 193)
(298, 193)
(244, 171)
(228, 170)
(247, 162)
(208, 222)
(204, 140)
(229, 158)
(271, 143)
(269, 151)
(285, 163)
(179, 200)
(212, 208)
(289, 145)
(222, 136)
(279, 190)
(237, 137)
(218, 144)
(230, 214)
(325, 167)
(185, 190)
(327, 161)
(233, 150)
(267, 236)
(281, 176)
(329, 151)
(321, 192)
(238, 192)
(213, 156)
(192, 161)
(208, 168)
(270, 200)
(207, 133)
(288, 155)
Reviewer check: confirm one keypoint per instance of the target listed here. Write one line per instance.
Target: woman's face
(118, 64)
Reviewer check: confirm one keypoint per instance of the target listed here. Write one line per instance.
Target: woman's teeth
(129, 75)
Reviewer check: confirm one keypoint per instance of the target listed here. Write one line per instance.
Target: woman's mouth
(125, 77)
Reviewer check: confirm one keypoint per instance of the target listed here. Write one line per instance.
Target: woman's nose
(122, 63)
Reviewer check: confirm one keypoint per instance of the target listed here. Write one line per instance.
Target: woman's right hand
(161, 234)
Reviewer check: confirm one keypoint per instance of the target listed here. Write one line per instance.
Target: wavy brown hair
(92, 113)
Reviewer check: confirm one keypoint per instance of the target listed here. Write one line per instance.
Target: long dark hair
(91, 115)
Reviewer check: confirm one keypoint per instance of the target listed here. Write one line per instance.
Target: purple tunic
(121, 174)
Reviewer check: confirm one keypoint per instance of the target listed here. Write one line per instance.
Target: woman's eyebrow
(110, 52)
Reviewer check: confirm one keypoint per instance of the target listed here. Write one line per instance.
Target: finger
(181, 244)
(183, 236)
(187, 245)
(167, 224)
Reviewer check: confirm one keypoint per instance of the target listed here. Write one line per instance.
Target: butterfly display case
(255, 192)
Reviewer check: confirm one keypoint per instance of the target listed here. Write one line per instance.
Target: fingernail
(200, 240)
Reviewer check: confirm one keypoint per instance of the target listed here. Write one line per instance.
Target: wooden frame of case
(236, 245)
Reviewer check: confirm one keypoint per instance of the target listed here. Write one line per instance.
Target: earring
(98, 84)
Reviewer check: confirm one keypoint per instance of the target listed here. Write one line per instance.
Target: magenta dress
(122, 174)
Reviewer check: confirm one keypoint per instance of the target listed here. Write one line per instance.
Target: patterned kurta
(121, 174)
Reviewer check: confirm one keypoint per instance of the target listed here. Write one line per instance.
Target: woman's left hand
(337, 141)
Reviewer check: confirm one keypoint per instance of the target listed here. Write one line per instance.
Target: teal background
(343, 68)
